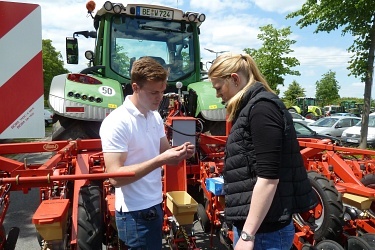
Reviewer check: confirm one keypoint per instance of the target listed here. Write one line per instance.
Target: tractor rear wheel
(71, 129)
(90, 220)
(327, 218)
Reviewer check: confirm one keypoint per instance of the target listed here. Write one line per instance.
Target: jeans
(277, 240)
(141, 230)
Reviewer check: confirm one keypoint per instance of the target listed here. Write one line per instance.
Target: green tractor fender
(295, 108)
(207, 104)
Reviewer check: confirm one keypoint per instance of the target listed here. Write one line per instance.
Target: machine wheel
(90, 221)
(308, 246)
(203, 218)
(328, 245)
(11, 240)
(71, 129)
(327, 218)
(370, 239)
(357, 243)
(369, 181)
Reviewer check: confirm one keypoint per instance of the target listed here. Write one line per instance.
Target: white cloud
(279, 6)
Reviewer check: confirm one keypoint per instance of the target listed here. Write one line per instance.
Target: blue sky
(229, 26)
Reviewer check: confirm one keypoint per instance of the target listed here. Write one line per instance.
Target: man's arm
(114, 163)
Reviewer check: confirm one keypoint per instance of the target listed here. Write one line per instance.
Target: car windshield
(371, 122)
(325, 122)
(170, 43)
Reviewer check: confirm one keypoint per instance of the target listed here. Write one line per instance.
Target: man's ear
(135, 87)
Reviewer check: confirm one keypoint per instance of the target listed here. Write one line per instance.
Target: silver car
(333, 126)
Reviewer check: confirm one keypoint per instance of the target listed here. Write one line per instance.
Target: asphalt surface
(23, 206)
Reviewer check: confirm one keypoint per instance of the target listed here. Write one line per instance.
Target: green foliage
(294, 90)
(356, 18)
(121, 61)
(53, 64)
(272, 58)
(327, 89)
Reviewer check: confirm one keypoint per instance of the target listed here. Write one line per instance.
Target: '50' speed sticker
(107, 91)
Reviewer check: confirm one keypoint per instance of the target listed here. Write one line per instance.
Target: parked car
(352, 135)
(48, 117)
(333, 125)
(344, 114)
(299, 118)
(304, 131)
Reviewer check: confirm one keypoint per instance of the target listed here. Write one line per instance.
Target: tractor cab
(123, 34)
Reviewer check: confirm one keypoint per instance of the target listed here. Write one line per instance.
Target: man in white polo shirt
(133, 140)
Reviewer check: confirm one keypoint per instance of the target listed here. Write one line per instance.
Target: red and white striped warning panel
(21, 67)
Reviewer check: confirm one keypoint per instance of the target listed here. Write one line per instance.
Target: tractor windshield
(168, 42)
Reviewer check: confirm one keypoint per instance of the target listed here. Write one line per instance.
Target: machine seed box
(50, 219)
(182, 206)
(215, 185)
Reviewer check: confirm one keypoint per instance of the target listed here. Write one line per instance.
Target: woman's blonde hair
(226, 64)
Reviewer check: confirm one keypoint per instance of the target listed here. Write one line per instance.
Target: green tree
(121, 61)
(53, 64)
(358, 19)
(294, 90)
(327, 89)
(272, 58)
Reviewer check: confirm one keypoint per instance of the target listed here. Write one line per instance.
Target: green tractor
(124, 33)
(307, 107)
(352, 107)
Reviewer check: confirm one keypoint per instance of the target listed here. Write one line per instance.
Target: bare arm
(114, 163)
(263, 194)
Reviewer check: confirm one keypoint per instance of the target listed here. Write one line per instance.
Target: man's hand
(174, 155)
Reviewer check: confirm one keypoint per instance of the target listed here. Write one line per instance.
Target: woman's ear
(236, 79)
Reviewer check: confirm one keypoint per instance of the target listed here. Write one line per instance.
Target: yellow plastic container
(50, 219)
(182, 206)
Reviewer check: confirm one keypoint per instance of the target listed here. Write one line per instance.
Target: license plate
(352, 140)
(155, 13)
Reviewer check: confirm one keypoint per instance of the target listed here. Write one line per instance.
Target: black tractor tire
(328, 245)
(330, 220)
(71, 129)
(90, 220)
(370, 239)
(203, 218)
(357, 243)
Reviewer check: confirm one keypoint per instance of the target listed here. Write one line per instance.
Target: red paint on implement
(30, 81)
(13, 13)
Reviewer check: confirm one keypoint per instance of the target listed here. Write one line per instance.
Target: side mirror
(72, 50)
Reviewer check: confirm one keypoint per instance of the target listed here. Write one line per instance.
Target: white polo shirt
(126, 129)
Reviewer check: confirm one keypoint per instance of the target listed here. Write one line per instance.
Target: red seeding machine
(72, 183)
(76, 201)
